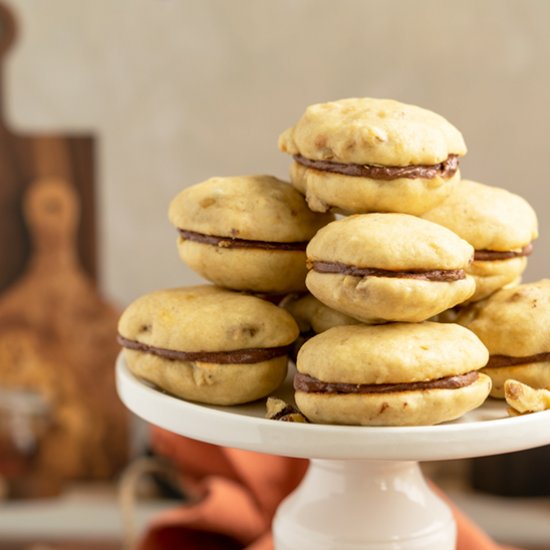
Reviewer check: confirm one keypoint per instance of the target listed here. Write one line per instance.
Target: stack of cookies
(370, 251)
(226, 344)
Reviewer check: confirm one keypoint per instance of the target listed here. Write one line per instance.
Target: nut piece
(524, 399)
(277, 409)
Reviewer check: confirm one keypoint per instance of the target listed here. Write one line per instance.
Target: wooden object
(57, 334)
(57, 337)
(522, 474)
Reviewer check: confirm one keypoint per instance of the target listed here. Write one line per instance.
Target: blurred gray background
(180, 90)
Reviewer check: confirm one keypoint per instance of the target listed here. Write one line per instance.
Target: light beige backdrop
(181, 90)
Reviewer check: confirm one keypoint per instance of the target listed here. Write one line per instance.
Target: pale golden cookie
(500, 226)
(207, 344)
(368, 155)
(395, 374)
(311, 315)
(388, 267)
(513, 324)
(246, 233)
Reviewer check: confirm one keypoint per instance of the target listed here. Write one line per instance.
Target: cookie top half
(260, 208)
(513, 321)
(395, 242)
(489, 218)
(206, 318)
(372, 131)
(392, 353)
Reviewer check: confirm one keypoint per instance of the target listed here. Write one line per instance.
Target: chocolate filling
(496, 361)
(230, 242)
(443, 275)
(237, 356)
(309, 384)
(445, 169)
(493, 255)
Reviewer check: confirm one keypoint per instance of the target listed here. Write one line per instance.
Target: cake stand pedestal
(364, 505)
(364, 489)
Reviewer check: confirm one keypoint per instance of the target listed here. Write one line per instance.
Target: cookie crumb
(277, 409)
(523, 399)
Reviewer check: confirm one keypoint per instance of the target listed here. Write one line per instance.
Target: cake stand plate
(364, 489)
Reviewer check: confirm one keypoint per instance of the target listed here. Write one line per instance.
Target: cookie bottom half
(211, 383)
(491, 276)
(405, 408)
(325, 190)
(379, 299)
(256, 270)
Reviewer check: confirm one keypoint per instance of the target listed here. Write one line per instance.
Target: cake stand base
(364, 505)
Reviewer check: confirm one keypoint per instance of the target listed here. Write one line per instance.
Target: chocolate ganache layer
(309, 384)
(441, 275)
(237, 356)
(496, 361)
(230, 242)
(493, 255)
(445, 169)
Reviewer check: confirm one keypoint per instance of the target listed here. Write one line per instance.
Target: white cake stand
(364, 489)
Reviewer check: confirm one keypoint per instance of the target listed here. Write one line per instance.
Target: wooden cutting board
(57, 333)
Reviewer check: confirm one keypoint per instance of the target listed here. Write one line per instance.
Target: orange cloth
(235, 496)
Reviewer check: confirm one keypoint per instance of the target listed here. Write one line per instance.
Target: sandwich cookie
(397, 374)
(389, 267)
(246, 233)
(373, 155)
(207, 344)
(513, 324)
(500, 225)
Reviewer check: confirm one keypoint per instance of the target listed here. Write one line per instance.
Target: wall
(178, 91)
